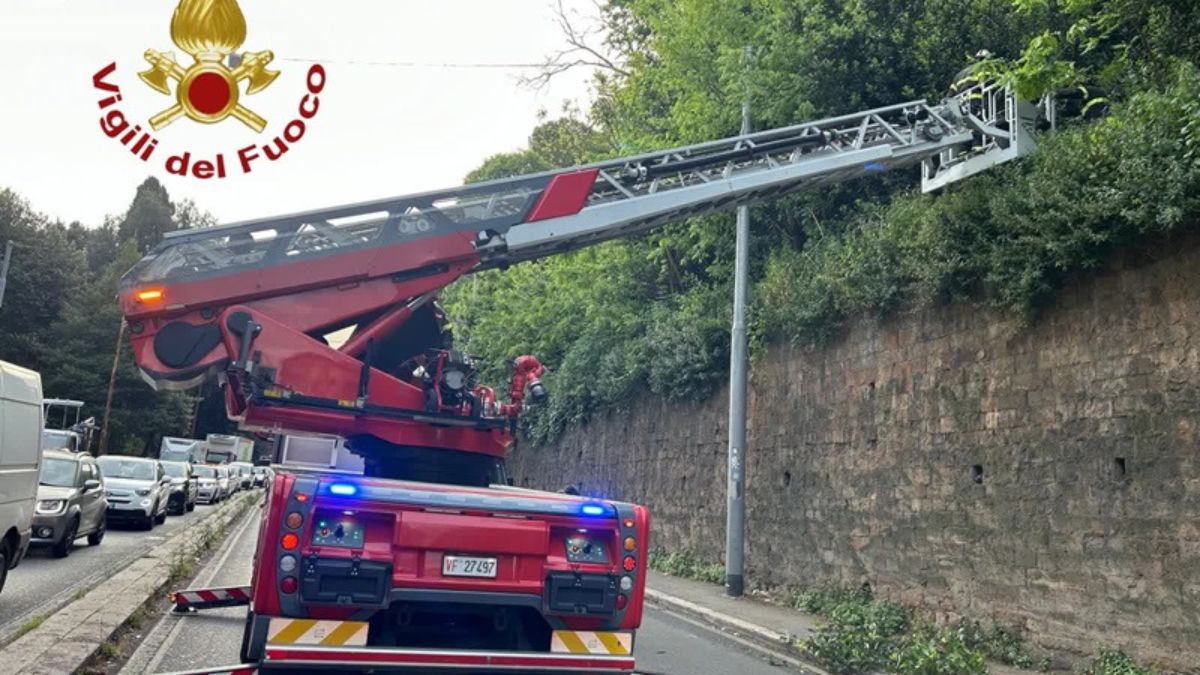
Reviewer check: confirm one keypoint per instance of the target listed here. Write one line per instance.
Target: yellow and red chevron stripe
(591, 642)
(316, 632)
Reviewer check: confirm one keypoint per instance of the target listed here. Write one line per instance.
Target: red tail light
(622, 601)
(629, 563)
(289, 585)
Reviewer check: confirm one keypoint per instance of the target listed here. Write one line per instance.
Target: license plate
(465, 566)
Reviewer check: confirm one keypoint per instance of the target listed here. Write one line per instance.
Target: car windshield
(56, 440)
(135, 469)
(205, 471)
(58, 472)
(175, 470)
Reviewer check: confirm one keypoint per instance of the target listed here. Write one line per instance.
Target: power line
(420, 64)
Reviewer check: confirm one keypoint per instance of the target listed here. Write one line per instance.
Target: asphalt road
(666, 645)
(42, 582)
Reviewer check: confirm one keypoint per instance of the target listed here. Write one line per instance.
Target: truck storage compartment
(345, 582)
(582, 594)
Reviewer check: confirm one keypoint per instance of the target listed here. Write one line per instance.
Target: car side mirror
(89, 485)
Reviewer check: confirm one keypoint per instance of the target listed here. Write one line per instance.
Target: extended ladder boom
(255, 300)
(528, 217)
(637, 194)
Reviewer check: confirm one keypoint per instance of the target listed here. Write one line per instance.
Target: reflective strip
(212, 597)
(316, 632)
(227, 670)
(342, 634)
(588, 642)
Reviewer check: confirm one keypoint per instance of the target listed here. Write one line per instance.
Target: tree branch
(579, 52)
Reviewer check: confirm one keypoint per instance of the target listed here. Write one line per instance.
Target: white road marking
(203, 580)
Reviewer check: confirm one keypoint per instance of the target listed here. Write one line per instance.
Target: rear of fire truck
(396, 574)
(430, 561)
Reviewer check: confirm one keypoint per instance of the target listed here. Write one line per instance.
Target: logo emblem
(208, 90)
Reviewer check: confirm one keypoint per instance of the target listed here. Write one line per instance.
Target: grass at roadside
(185, 561)
(863, 634)
(185, 558)
(29, 625)
(685, 564)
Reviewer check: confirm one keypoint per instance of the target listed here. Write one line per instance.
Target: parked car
(137, 489)
(184, 487)
(245, 473)
(262, 475)
(70, 503)
(20, 460)
(225, 481)
(208, 486)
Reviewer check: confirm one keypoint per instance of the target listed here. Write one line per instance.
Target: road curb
(768, 642)
(68, 637)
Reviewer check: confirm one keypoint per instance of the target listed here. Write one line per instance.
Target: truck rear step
(349, 660)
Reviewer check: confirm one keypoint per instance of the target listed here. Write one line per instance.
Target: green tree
(78, 359)
(150, 216)
(45, 272)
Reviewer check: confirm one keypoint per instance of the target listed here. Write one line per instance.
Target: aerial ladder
(254, 305)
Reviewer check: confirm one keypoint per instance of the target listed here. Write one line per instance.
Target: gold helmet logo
(208, 90)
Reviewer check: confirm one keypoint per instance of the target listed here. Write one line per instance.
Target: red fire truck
(430, 561)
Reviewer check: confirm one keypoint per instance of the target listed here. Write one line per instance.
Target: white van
(20, 460)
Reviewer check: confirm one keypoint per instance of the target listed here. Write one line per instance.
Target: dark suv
(184, 487)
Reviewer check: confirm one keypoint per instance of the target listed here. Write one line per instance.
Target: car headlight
(51, 507)
(144, 492)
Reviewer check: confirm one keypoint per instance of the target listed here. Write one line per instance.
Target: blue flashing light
(874, 167)
(343, 489)
(593, 510)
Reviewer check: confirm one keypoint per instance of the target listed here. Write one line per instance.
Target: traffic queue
(80, 496)
(54, 492)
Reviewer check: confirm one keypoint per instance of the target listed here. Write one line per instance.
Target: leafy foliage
(862, 632)
(866, 635)
(998, 642)
(931, 651)
(1013, 236)
(1109, 661)
(684, 564)
(651, 315)
(1120, 44)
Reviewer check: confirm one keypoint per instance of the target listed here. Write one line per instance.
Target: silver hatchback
(138, 489)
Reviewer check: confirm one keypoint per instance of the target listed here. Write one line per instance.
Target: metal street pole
(4, 270)
(112, 380)
(735, 514)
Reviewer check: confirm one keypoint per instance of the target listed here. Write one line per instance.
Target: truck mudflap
(345, 660)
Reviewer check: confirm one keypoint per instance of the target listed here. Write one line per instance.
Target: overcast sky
(381, 130)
